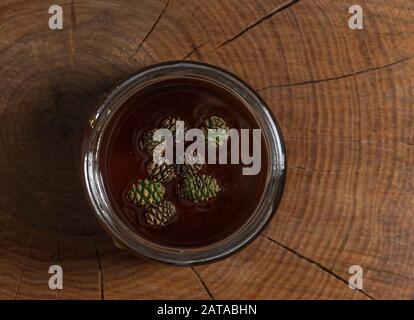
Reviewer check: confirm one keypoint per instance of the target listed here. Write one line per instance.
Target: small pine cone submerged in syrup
(170, 123)
(185, 170)
(149, 141)
(200, 188)
(195, 187)
(191, 167)
(215, 123)
(161, 172)
(146, 193)
(161, 214)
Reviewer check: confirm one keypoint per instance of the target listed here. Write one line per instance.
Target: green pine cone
(148, 141)
(185, 170)
(170, 124)
(190, 167)
(161, 172)
(200, 188)
(146, 193)
(161, 214)
(215, 123)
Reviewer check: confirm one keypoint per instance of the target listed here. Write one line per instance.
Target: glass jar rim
(275, 177)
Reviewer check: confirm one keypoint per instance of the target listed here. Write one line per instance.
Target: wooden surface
(345, 102)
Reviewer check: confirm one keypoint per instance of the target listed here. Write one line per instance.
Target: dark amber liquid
(124, 162)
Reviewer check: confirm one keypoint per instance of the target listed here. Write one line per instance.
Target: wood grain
(344, 100)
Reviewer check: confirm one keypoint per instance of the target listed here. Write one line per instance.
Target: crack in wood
(194, 50)
(100, 271)
(352, 74)
(152, 28)
(338, 141)
(348, 141)
(301, 168)
(315, 263)
(58, 260)
(280, 8)
(19, 281)
(202, 283)
(72, 33)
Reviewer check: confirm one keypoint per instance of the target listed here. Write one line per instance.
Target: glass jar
(122, 235)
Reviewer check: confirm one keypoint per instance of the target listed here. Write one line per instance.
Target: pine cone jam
(182, 207)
